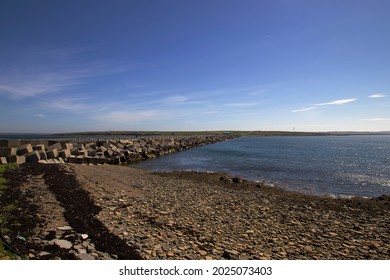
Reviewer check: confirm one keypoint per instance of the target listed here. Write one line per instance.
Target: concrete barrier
(108, 151)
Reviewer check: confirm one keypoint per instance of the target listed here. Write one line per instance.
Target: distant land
(131, 134)
(239, 132)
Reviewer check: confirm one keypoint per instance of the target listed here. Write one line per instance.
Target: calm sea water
(323, 165)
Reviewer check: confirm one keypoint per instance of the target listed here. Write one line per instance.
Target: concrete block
(108, 153)
(39, 147)
(50, 160)
(52, 154)
(33, 157)
(80, 146)
(66, 145)
(90, 145)
(75, 159)
(106, 145)
(42, 154)
(16, 159)
(91, 153)
(82, 153)
(3, 143)
(61, 160)
(44, 161)
(4, 152)
(52, 142)
(65, 153)
(56, 146)
(87, 159)
(102, 149)
(3, 160)
(24, 149)
(95, 160)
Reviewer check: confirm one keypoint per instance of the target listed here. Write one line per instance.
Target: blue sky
(194, 65)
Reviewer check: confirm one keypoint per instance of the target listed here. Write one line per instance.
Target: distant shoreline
(256, 133)
(135, 134)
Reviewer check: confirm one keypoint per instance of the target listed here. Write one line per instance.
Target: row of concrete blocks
(100, 152)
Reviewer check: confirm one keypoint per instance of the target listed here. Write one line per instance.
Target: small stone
(149, 252)
(84, 236)
(308, 248)
(64, 228)
(170, 254)
(202, 252)
(82, 251)
(230, 254)
(86, 257)
(375, 244)
(63, 243)
(209, 258)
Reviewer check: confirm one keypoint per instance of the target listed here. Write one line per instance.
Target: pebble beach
(118, 212)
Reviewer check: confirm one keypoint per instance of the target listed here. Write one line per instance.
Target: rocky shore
(116, 212)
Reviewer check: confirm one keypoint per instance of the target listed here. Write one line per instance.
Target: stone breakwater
(100, 151)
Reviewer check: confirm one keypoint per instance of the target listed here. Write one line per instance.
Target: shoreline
(192, 215)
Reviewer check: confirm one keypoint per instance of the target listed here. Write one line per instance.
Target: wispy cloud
(50, 71)
(316, 106)
(337, 102)
(303, 109)
(71, 104)
(377, 95)
(130, 117)
(40, 115)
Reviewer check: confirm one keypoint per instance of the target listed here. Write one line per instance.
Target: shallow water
(322, 165)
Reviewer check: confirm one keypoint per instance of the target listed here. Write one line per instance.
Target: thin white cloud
(75, 105)
(129, 117)
(337, 102)
(40, 115)
(303, 109)
(377, 95)
(315, 106)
